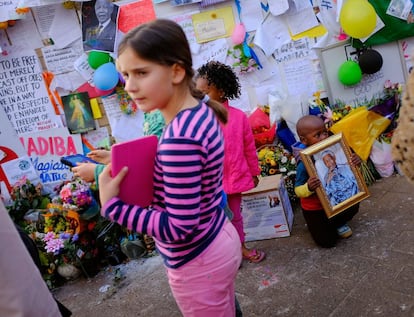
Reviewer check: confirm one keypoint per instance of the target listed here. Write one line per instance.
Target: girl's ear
(178, 73)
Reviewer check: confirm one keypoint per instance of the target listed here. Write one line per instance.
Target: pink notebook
(139, 155)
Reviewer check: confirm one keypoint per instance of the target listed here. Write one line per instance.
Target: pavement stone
(369, 274)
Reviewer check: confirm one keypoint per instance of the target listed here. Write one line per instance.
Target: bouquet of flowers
(76, 195)
(275, 159)
(63, 246)
(392, 89)
(26, 196)
(66, 241)
(240, 62)
(331, 113)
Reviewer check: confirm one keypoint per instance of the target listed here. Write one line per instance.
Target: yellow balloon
(358, 18)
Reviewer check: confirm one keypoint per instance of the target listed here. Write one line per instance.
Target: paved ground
(370, 274)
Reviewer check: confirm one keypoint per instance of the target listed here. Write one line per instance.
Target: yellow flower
(272, 163)
(262, 153)
(272, 171)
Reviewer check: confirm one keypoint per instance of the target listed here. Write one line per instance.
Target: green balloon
(349, 73)
(96, 59)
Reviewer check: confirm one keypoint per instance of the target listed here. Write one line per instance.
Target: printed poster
(78, 113)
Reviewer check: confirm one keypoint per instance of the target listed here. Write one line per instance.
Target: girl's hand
(355, 160)
(86, 171)
(101, 156)
(108, 185)
(313, 183)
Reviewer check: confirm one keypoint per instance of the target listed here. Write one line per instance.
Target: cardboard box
(267, 212)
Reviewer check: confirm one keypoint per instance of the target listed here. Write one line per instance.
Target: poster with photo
(400, 8)
(99, 20)
(78, 113)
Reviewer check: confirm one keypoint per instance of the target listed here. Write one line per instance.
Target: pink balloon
(238, 34)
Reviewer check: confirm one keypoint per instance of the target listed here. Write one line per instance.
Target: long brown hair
(164, 42)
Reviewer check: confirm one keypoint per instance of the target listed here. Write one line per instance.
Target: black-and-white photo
(99, 25)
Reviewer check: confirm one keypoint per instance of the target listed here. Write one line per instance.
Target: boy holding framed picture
(324, 230)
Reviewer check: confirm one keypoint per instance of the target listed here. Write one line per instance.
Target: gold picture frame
(342, 186)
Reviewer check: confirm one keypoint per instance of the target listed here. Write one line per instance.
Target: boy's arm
(303, 191)
(301, 185)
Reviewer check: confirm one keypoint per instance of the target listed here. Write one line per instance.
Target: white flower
(283, 169)
(283, 159)
(291, 173)
(293, 161)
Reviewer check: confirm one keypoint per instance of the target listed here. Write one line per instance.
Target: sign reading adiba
(267, 212)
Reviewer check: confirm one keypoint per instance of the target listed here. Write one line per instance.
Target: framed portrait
(78, 113)
(342, 184)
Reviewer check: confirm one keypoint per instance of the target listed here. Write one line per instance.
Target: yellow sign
(214, 24)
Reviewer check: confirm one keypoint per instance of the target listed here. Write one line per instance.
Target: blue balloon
(106, 77)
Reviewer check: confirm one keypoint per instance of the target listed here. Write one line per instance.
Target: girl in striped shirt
(200, 247)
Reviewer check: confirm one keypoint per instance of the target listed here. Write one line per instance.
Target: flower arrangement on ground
(275, 159)
(71, 237)
(64, 239)
(384, 102)
(26, 196)
(77, 195)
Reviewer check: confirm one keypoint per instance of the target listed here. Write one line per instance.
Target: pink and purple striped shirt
(185, 216)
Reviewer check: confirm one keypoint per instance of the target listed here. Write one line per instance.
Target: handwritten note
(300, 17)
(60, 61)
(213, 50)
(295, 72)
(251, 14)
(214, 24)
(23, 94)
(186, 22)
(295, 50)
(271, 34)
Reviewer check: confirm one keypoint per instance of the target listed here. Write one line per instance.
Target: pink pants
(234, 202)
(205, 287)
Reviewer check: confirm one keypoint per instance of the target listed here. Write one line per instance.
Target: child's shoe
(344, 231)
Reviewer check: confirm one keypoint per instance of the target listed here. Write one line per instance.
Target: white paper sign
(23, 95)
(60, 61)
